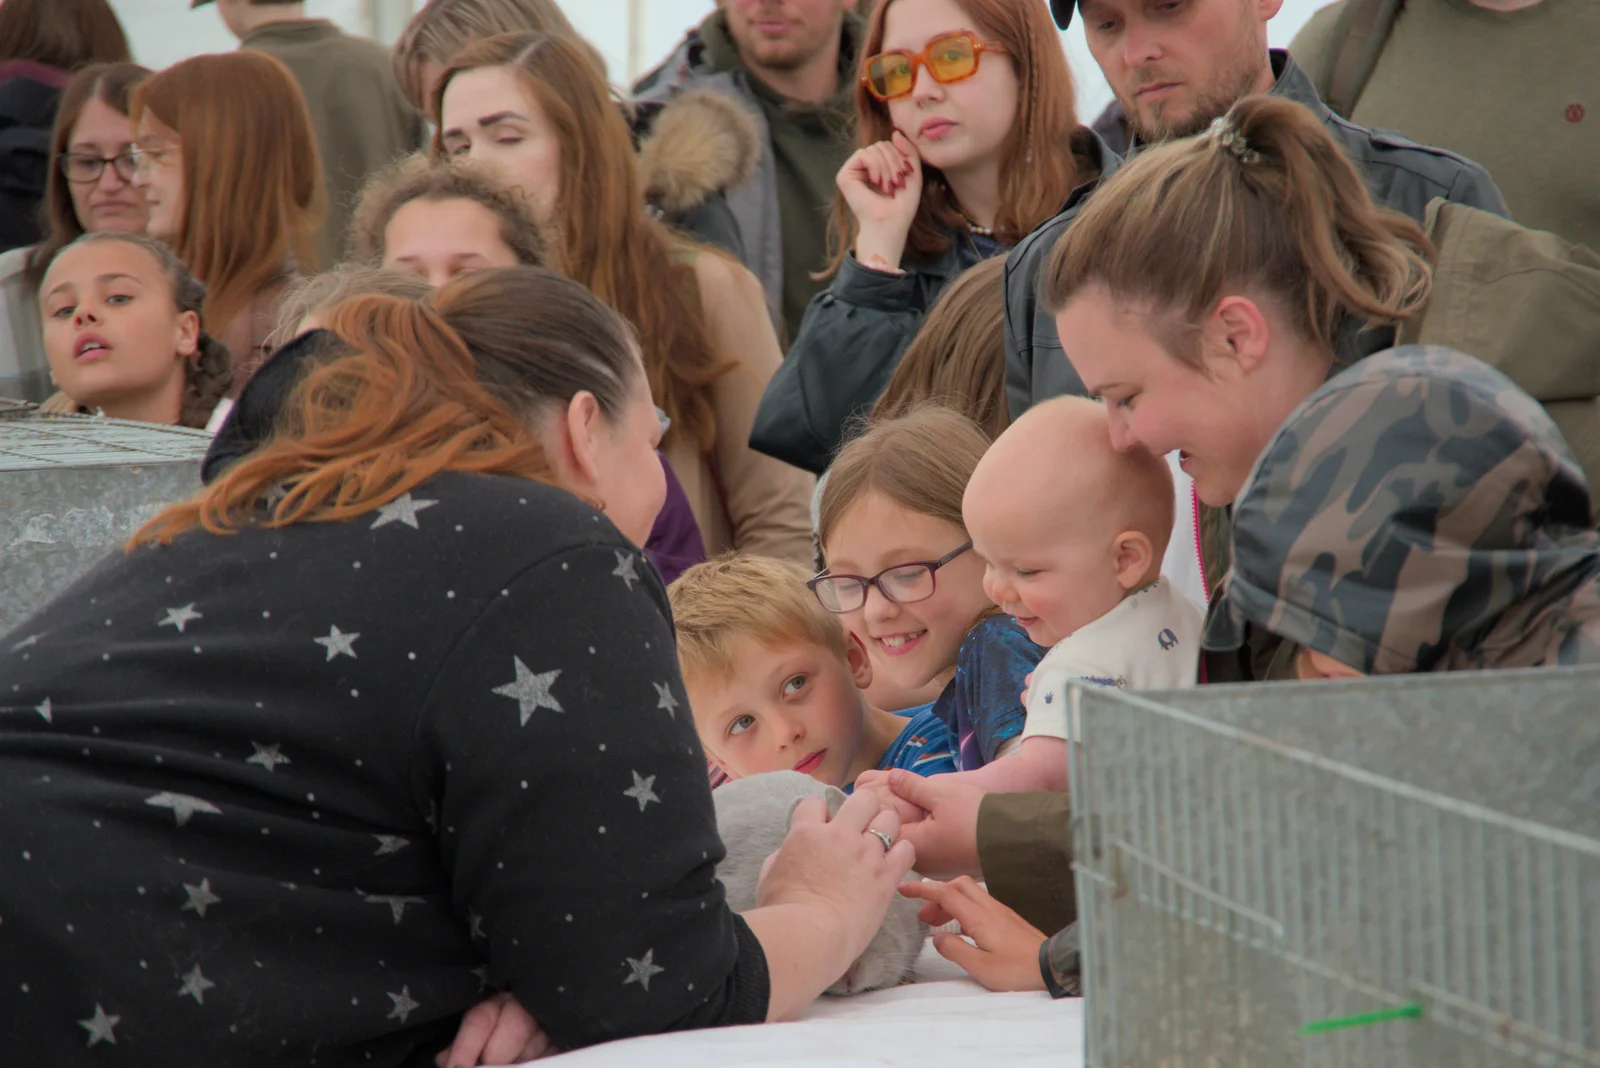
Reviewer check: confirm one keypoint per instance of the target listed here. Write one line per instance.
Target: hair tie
(1225, 135)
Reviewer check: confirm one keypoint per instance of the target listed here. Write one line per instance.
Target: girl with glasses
(967, 140)
(89, 188)
(902, 574)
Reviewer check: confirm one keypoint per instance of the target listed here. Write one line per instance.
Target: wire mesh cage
(74, 487)
(1392, 872)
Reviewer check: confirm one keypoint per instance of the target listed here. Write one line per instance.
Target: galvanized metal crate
(72, 488)
(1391, 872)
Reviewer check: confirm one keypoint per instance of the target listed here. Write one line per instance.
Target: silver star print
(481, 973)
(642, 790)
(475, 925)
(396, 902)
(390, 843)
(195, 986)
(180, 617)
(432, 819)
(643, 970)
(268, 756)
(44, 709)
(403, 509)
(404, 1005)
(30, 640)
(531, 691)
(665, 699)
(182, 805)
(100, 1026)
(200, 898)
(339, 643)
(625, 568)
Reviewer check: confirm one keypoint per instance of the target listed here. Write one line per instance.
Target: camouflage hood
(1417, 513)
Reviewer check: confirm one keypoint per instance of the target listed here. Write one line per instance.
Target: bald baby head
(1067, 524)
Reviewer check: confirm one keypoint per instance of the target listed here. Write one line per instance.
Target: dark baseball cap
(1060, 10)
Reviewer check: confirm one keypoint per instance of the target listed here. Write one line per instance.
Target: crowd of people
(831, 402)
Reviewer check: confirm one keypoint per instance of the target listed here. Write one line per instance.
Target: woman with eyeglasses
(89, 188)
(227, 159)
(42, 44)
(968, 140)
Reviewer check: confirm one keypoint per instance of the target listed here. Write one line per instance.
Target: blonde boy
(775, 683)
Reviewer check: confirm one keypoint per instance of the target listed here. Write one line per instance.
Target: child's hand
(497, 1031)
(1006, 954)
(1027, 684)
(946, 834)
(879, 781)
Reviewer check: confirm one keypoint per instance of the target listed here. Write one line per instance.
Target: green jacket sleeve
(1025, 848)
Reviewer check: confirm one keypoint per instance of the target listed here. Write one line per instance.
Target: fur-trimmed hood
(701, 143)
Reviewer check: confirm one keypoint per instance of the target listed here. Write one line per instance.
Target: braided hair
(208, 375)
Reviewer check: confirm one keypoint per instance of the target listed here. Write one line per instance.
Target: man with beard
(793, 64)
(1175, 66)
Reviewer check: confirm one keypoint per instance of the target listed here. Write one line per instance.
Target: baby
(775, 683)
(1072, 533)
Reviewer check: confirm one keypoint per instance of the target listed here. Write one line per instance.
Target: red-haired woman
(228, 160)
(390, 715)
(968, 141)
(536, 109)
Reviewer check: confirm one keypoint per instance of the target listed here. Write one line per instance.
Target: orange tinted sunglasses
(951, 58)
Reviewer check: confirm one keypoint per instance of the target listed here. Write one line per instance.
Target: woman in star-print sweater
(383, 722)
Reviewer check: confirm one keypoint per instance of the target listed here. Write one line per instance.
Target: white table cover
(944, 1020)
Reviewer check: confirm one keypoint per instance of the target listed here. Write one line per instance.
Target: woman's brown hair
(958, 358)
(921, 460)
(317, 293)
(110, 83)
(1266, 201)
(209, 373)
(458, 382)
(416, 179)
(606, 238)
(66, 34)
(251, 175)
(444, 27)
(1037, 171)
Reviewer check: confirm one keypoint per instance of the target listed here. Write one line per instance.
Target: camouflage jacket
(1417, 513)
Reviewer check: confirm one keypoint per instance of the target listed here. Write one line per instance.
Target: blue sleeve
(924, 747)
(994, 660)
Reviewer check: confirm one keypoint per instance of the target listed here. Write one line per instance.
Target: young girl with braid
(123, 332)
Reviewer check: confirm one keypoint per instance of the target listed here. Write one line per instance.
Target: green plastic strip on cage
(1364, 1019)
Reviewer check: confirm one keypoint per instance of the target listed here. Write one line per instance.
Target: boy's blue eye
(740, 725)
(794, 685)
(1023, 572)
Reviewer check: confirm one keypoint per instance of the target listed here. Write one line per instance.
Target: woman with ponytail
(394, 702)
(124, 335)
(1206, 290)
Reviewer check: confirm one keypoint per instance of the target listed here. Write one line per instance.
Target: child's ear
(1134, 555)
(187, 342)
(860, 663)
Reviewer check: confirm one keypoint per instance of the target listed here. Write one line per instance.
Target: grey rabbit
(753, 818)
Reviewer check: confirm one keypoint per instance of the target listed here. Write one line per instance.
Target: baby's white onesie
(1151, 641)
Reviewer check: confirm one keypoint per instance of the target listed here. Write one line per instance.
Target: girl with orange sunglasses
(967, 139)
